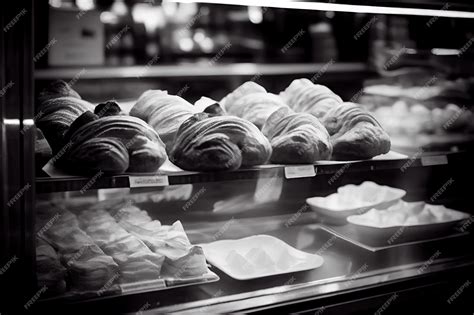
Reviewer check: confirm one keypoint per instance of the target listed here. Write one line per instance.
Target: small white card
(300, 171)
(434, 160)
(53, 171)
(148, 181)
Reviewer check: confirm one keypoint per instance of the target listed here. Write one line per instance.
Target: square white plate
(258, 256)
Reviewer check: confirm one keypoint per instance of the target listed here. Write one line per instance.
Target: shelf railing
(160, 179)
(197, 70)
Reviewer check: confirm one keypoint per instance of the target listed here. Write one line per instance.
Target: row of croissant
(304, 124)
(93, 250)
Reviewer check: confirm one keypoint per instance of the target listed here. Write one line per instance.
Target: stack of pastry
(202, 141)
(105, 140)
(354, 132)
(134, 258)
(294, 137)
(87, 266)
(182, 259)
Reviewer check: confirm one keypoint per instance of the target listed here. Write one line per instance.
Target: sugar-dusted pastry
(192, 264)
(163, 112)
(182, 259)
(135, 260)
(87, 266)
(49, 271)
(302, 95)
(132, 214)
(296, 137)
(67, 239)
(355, 133)
(211, 143)
(90, 269)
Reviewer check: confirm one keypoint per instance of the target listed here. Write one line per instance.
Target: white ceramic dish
(355, 199)
(407, 214)
(407, 221)
(258, 256)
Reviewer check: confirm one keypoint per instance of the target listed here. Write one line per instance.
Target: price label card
(300, 171)
(434, 160)
(148, 181)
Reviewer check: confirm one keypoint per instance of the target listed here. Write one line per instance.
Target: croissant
(247, 88)
(296, 137)
(113, 144)
(56, 116)
(302, 95)
(210, 143)
(163, 112)
(257, 107)
(355, 133)
(57, 89)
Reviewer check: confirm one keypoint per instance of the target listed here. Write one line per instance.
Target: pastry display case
(232, 156)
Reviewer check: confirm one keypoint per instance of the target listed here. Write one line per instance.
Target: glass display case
(105, 211)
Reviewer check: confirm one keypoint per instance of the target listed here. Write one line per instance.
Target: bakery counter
(347, 270)
(170, 175)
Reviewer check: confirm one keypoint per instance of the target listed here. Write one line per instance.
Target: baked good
(88, 268)
(113, 144)
(108, 155)
(248, 87)
(182, 259)
(135, 260)
(109, 108)
(257, 107)
(55, 117)
(252, 102)
(296, 137)
(192, 264)
(57, 89)
(210, 106)
(302, 95)
(355, 133)
(139, 266)
(49, 271)
(163, 112)
(211, 143)
(202, 141)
